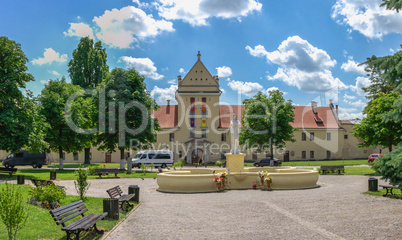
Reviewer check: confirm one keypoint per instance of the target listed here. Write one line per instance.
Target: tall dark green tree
(60, 136)
(15, 120)
(266, 122)
(126, 119)
(87, 69)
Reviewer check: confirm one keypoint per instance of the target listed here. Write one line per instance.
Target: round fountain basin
(196, 180)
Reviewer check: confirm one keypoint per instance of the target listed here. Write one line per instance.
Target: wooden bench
(41, 182)
(389, 189)
(332, 169)
(8, 170)
(85, 223)
(116, 192)
(101, 171)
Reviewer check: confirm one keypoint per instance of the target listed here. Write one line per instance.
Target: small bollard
(134, 189)
(111, 206)
(20, 179)
(373, 184)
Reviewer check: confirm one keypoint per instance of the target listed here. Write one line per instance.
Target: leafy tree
(374, 129)
(15, 120)
(392, 4)
(266, 122)
(390, 166)
(87, 69)
(385, 74)
(39, 126)
(132, 124)
(59, 135)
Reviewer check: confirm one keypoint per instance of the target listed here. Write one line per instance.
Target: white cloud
(301, 65)
(322, 81)
(247, 88)
(120, 28)
(80, 30)
(358, 103)
(224, 71)
(258, 51)
(164, 94)
(349, 113)
(54, 73)
(272, 89)
(182, 72)
(50, 56)
(143, 66)
(173, 81)
(45, 81)
(361, 82)
(367, 17)
(349, 97)
(197, 12)
(352, 66)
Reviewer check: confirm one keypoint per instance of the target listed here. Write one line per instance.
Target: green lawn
(70, 174)
(380, 192)
(40, 224)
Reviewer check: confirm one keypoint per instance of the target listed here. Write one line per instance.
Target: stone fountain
(196, 180)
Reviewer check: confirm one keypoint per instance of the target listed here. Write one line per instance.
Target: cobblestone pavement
(335, 210)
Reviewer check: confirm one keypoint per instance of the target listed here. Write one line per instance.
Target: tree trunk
(122, 160)
(271, 150)
(87, 160)
(60, 158)
(390, 148)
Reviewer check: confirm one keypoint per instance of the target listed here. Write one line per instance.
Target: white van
(160, 158)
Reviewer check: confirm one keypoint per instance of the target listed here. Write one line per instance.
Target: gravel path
(335, 210)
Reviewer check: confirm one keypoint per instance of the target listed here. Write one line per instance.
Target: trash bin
(20, 179)
(373, 184)
(111, 206)
(134, 189)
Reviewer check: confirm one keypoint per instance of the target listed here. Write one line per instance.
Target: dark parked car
(265, 162)
(37, 160)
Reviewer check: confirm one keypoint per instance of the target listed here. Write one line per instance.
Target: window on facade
(204, 106)
(345, 136)
(328, 154)
(223, 137)
(254, 155)
(311, 154)
(203, 133)
(180, 154)
(223, 157)
(312, 136)
(192, 106)
(171, 137)
(303, 154)
(328, 136)
(192, 133)
(303, 136)
(75, 155)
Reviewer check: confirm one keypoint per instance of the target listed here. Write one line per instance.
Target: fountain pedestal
(235, 162)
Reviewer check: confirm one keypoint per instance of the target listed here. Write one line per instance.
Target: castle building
(197, 128)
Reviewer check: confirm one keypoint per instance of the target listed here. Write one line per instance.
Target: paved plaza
(335, 210)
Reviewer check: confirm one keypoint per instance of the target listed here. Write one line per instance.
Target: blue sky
(307, 49)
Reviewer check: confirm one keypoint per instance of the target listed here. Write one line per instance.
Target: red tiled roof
(226, 114)
(166, 115)
(305, 118)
